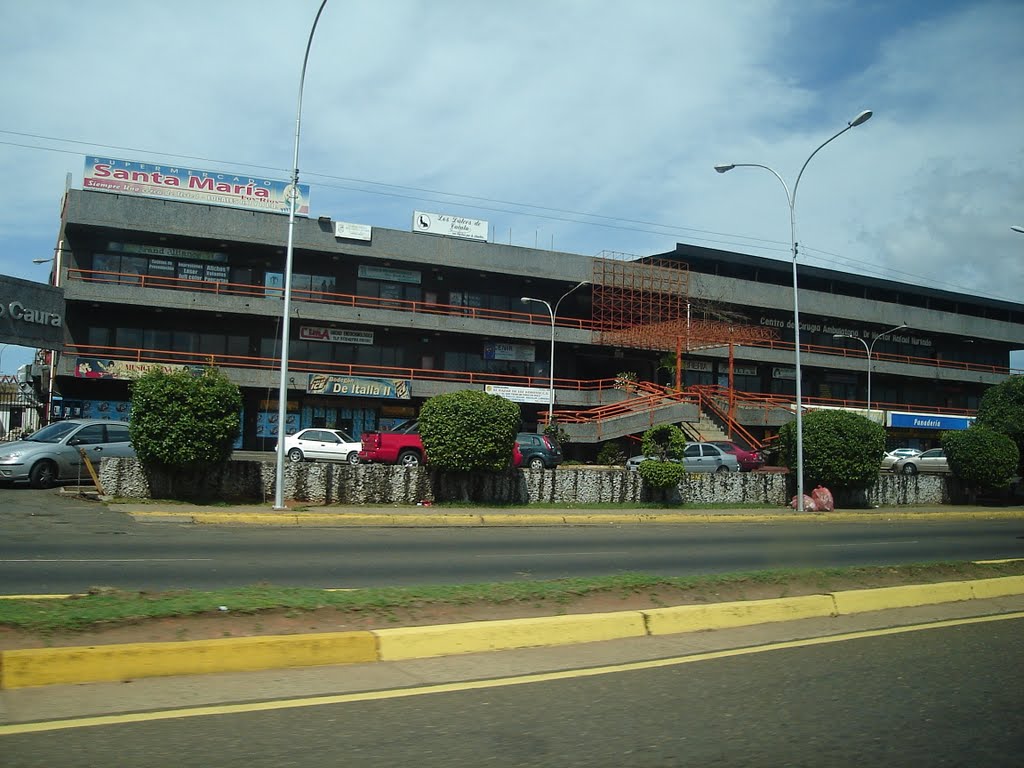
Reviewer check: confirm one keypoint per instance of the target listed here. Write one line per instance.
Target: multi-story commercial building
(383, 319)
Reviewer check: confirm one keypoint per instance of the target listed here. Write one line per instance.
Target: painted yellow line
(997, 562)
(475, 685)
(37, 597)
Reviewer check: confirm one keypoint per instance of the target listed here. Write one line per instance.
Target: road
(58, 545)
(943, 695)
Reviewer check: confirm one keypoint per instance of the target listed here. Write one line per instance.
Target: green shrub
(842, 450)
(665, 441)
(1002, 409)
(469, 431)
(662, 444)
(612, 453)
(980, 457)
(184, 421)
(661, 474)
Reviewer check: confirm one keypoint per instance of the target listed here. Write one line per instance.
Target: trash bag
(809, 504)
(823, 499)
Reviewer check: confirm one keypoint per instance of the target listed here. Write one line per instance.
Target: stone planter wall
(324, 483)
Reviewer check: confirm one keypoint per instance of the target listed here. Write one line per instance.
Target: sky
(583, 126)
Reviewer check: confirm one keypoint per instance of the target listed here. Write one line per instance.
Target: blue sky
(578, 125)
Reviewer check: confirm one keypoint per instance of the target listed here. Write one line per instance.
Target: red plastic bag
(823, 499)
(809, 504)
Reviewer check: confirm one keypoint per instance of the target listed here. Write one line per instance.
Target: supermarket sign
(130, 177)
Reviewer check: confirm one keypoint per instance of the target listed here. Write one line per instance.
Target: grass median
(109, 608)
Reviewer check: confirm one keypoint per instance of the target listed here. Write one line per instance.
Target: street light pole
(868, 348)
(293, 193)
(860, 119)
(553, 313)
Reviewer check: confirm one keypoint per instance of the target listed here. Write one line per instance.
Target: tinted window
(117, 433)
(692, 451)
(90, 435)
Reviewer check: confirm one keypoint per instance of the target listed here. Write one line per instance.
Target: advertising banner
(99, 368)
(452, 226)
(929, 421)
(519, 394)
(129, 177)
(335, 335)
(358, 386)
(500, 350)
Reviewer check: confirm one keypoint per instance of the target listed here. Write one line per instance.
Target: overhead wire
(547, 213)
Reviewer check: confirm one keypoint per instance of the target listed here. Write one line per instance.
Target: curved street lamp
(860, 119)
(868, 349)
(293, 193)
(553, 313)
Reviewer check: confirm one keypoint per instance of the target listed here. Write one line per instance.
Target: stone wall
(325, 483)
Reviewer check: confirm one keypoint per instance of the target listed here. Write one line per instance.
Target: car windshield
(53, 433)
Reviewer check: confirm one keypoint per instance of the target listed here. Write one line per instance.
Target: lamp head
(1015, 228)
(724, 168)
(862, 118)
(41, 261)
(526, 300)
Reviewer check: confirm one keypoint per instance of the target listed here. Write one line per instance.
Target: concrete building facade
(383, 319)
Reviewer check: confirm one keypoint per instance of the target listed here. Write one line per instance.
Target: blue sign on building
(928, 421)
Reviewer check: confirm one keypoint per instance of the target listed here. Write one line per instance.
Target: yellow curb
(506, 634)
(695, 618)
(48, 666)
(336, 519)
(105, 663)
(861, 600)
(997, 587)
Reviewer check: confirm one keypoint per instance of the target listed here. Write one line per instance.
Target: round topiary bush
(842, 450)
(469, 431)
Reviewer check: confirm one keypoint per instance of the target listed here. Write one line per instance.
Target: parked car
(53, 454)
(748, 460)
(698, 457)
(318, 444)
(889, 458)
(538, 451)
(401, 445)
(933, 460)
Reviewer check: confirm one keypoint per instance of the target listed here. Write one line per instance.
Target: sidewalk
(436, 516)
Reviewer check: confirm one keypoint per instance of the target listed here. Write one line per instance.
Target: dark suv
(539, 451)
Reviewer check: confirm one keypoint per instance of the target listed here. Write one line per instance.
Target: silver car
(699, 457)
(53, 454)
(933, 460)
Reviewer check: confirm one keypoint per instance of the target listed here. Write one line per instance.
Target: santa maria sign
(128, 177)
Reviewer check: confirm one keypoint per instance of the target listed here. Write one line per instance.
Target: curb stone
(51, 666)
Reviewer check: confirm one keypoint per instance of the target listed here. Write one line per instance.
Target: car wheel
(536, 462)
(722, 468)
(295, 455)
(353, 458)
(909, 469)
(43, 475)
(409, 459)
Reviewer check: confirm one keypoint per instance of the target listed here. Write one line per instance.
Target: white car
(699, 457)
(889, 458)
(319, 444)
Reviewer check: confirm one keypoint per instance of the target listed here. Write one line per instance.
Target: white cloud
(613, 108)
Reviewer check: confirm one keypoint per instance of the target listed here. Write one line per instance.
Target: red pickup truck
(402, 445)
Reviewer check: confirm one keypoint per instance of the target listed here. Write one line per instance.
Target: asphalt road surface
(58, 545)
(935, 696)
